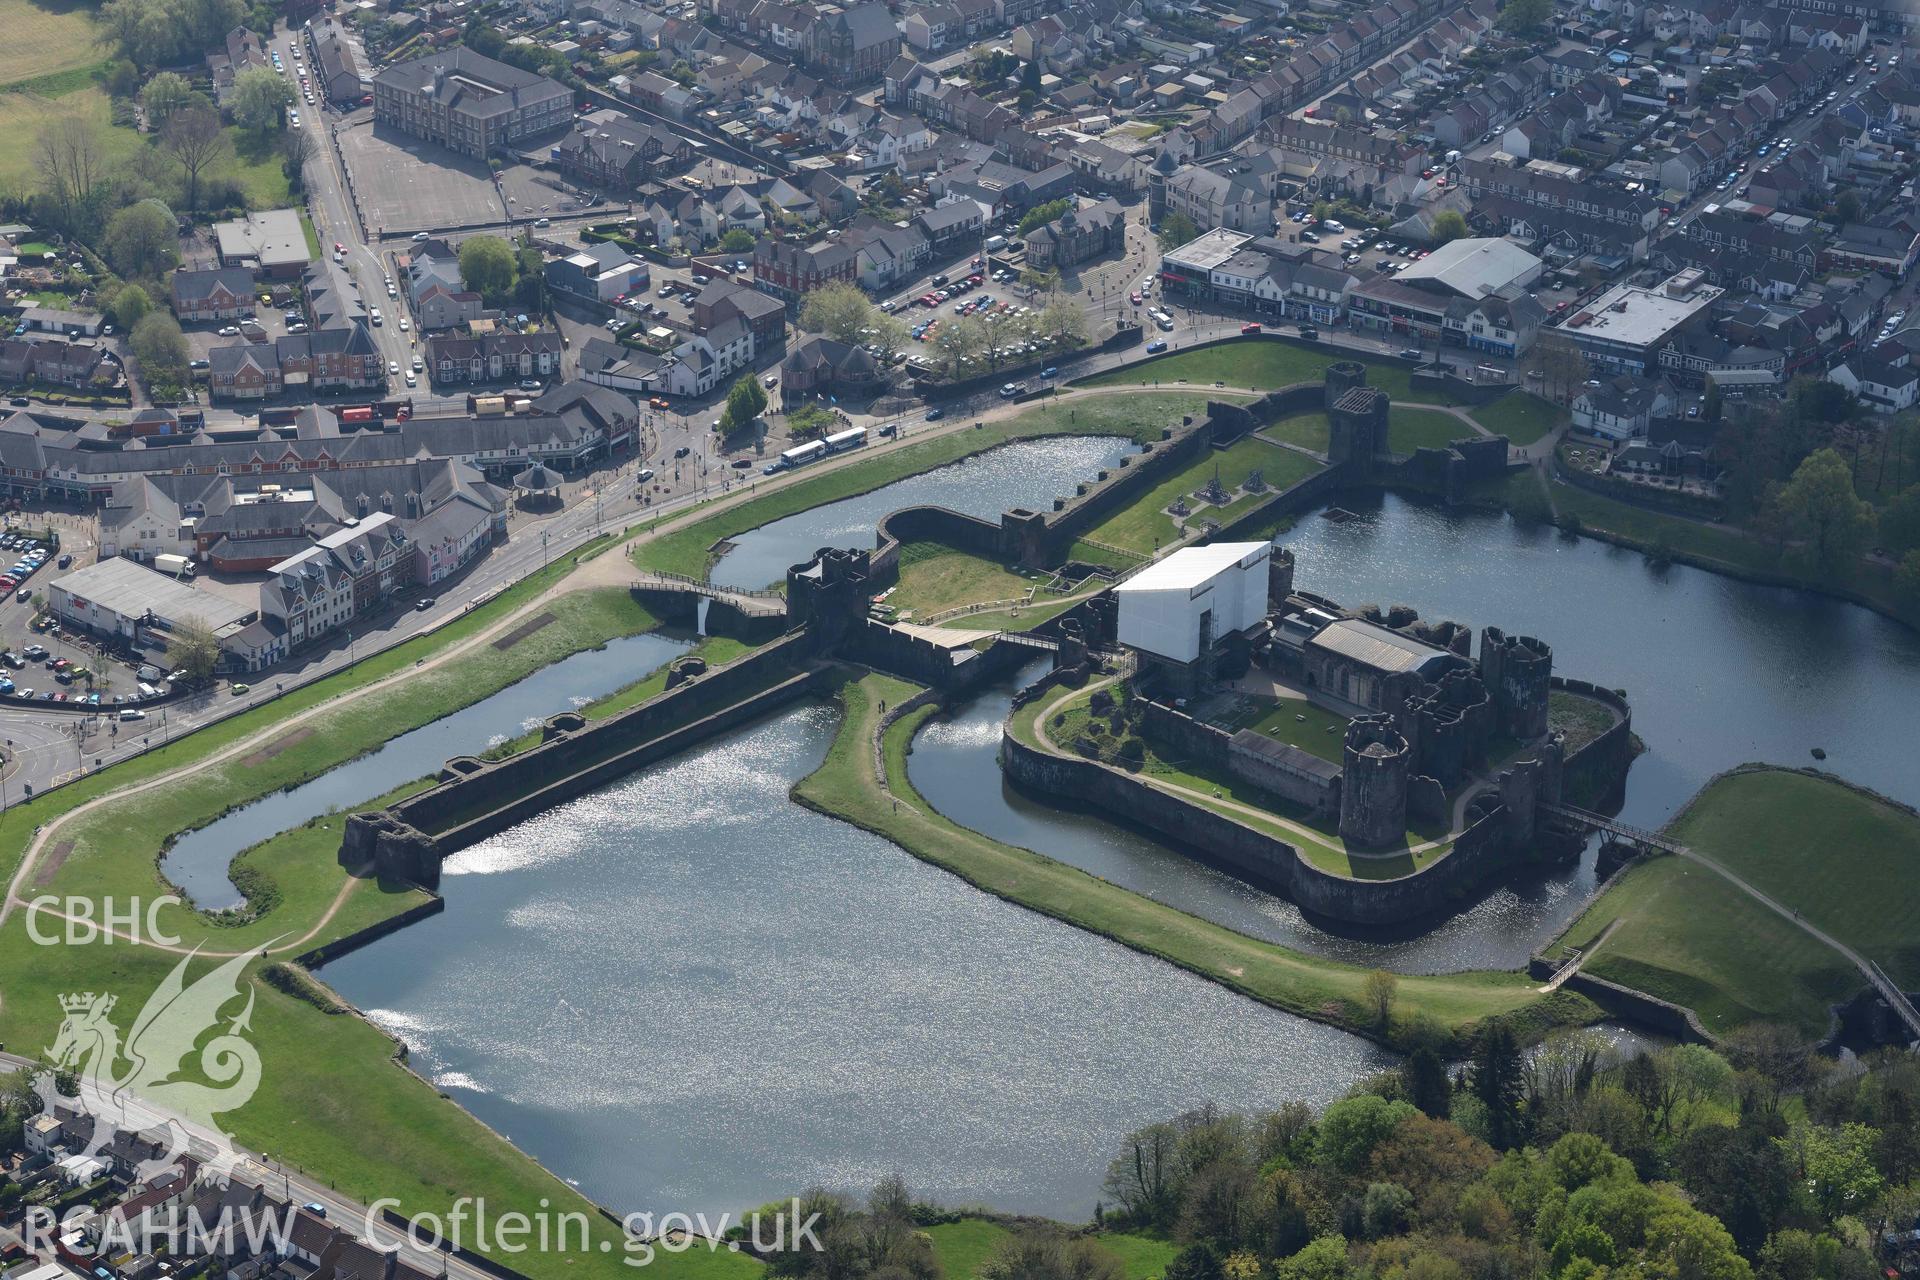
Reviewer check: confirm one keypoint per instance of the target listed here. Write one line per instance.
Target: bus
(851, 438)
(800, 455)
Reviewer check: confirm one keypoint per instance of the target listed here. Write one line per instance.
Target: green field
(964, 1245)
(1410, 429)
(1142, 417)
(1145, 527)
(1327, 991)
(1520, 416)
(1849, 863)
(43, 39)
(1261, 365)
(23, 115)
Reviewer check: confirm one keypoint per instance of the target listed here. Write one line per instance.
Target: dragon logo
(140, 1086)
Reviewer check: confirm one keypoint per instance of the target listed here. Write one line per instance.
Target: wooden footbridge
(1614, 827)
(753, 604)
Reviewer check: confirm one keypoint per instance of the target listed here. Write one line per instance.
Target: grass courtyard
(24, 115)
(1844, 859)
(1410, 429)
(934, 577)
(1144, 525)
(1294, 721)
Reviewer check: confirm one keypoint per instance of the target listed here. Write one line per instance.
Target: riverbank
(1841, 857)
(847, 787)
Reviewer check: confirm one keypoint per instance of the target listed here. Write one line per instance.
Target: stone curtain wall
(1599, 767)
(1254, 856)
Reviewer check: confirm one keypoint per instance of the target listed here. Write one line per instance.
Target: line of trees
(1681, 1164)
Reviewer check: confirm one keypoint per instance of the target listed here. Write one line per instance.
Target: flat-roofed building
(1178, 614)
(117, 597)
(1627, 327)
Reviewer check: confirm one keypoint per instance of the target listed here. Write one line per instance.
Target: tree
(130, 303)
(1378, 991)
(296, 149)
(1713, 404)
(1450, 225)
(159, 346)
(1351, 1128)
(840, 311)
(745, 402)
(1847, 208)
(1525, 15)
(1177, 229)
(1426, 1082)
(961, 339)
(1819, 507)
(191, 648)
(1839, 1168)
(1065, 318)
(71, 162)
(1141, 1177)
(260, 99)
(165, 94)
(1045, 1253)
(196, 141)
(1041, 214)
(487, 266)
(1561, 366)
(738, 240)
(1907, 576)
(142, 240)
(1498, 1081)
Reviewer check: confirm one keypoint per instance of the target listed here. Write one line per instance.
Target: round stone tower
(1375, 764)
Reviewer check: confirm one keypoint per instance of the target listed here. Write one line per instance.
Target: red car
(338, 247)
(1249, 328)
(1134, 297)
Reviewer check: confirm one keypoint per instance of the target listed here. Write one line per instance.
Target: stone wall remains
(1599, 768)
(1256, 857)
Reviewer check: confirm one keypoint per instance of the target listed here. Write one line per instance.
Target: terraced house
(469, 103)
(493, 357)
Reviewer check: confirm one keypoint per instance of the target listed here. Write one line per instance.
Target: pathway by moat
(684, 991)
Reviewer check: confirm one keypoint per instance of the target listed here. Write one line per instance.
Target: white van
(148, 691)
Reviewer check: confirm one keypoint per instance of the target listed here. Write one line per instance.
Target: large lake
(687, 992)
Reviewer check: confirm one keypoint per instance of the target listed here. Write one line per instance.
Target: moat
(744, 918)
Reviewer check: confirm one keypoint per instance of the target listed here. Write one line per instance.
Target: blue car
(1049, 371)
(934, 415)
(1156, 347)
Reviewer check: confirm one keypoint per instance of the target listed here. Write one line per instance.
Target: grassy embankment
(1259, 364)
(685, 551)
(328, 1102)
(1848, 861)
(844, 786)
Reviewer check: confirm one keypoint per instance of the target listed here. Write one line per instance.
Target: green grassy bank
(1847, 860)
